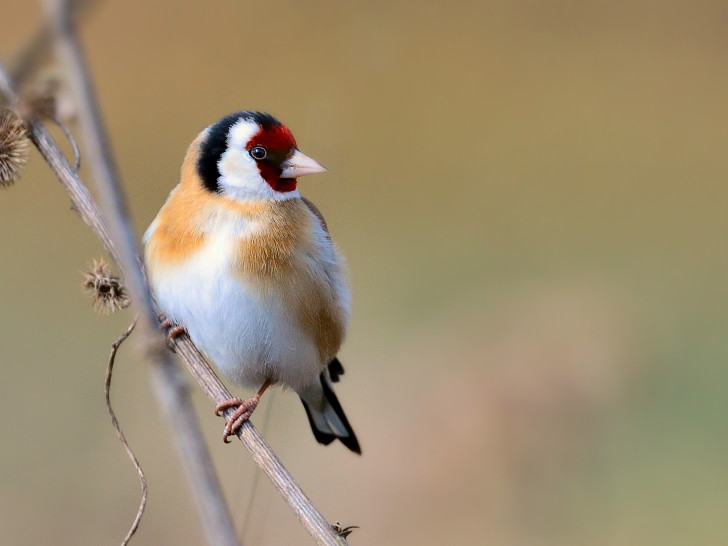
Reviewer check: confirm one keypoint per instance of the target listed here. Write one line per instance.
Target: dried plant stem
(122, 438)
(311, 518)
(170, 387)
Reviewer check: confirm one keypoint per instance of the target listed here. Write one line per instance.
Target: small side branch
(122, 438)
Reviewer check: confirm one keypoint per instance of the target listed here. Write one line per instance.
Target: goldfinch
(245, 264)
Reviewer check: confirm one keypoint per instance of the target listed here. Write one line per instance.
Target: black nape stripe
(215, 144)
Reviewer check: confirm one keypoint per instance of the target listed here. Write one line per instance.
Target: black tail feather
(350, 440)
(336, 370)
(326, 437)
(321, 437)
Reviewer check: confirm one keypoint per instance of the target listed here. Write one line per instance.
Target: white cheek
(239, 174)
(238, 170)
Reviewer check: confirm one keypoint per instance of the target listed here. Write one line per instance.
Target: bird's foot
(244, 409)
(173, 330)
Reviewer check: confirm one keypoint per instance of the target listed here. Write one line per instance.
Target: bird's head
(252, 156)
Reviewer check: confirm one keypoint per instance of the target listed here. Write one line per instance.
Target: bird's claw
(227, 404)
(244, 410)
(173, 330)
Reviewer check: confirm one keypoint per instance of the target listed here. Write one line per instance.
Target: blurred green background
(532, 200)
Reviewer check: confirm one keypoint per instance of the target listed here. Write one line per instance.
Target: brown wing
(316, 212)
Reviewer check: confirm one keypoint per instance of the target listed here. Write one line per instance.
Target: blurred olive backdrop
(532, 200)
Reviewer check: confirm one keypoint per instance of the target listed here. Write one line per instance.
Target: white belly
(244, 330)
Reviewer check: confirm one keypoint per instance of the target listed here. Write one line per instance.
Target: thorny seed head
(14, 146)
(107, 291)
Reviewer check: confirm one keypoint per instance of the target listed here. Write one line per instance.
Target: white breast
(241, 327)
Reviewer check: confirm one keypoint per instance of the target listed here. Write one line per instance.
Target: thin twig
(69, 135)
(122, 438)
(311, 518)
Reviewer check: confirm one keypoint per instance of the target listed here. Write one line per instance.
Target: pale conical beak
(299, 165)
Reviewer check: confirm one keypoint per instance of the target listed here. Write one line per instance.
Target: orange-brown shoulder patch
(322, 321)
(177, 232)
(173, 241)
(269, 251)
(279, 255)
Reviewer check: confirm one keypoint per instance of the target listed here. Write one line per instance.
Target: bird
(244, 264)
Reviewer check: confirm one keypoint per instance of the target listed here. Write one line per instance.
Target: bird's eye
(258, 153)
